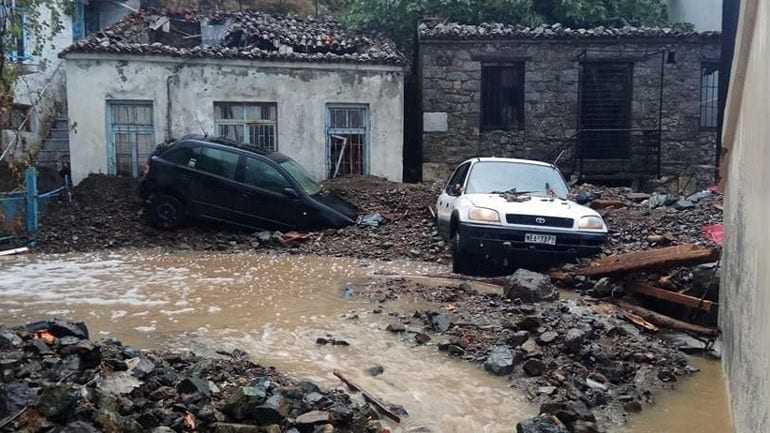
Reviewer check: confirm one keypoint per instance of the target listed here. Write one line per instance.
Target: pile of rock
(53, 378)
(584, 365)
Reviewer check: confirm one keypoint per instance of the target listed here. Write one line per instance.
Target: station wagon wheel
(166, 212)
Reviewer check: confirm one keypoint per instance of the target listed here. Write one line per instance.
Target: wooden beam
(675, 297)
(666, 321)
(655, 258)
(368, 397)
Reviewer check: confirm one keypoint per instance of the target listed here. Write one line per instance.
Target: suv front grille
(543, 221)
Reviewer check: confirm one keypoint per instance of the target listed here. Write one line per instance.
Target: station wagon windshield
(490, 177)
(302, 177)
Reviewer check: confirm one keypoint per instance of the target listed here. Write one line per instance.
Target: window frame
(241, 174)
(236, 170)
(705, 106)
(518, 95)
(112, 158)
(244, 123)
(448, 188)
(365, 131)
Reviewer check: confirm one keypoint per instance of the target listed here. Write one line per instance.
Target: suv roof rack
(225, 142)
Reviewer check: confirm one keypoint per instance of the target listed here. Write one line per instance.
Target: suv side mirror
(290, 192)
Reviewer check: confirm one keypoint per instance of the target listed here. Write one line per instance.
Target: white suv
(501, 207)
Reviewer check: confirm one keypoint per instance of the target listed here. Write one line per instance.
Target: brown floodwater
(274, 307)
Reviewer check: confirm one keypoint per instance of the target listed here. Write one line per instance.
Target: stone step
(61, 123)
(58, 133)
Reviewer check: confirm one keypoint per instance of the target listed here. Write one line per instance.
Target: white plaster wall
(42, 85)
(745, 294)
(704, 14)
(300, 90)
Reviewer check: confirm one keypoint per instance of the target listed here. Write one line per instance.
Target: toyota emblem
(540, 220)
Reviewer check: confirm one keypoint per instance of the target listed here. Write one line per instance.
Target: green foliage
(399, 18)
(37, 21)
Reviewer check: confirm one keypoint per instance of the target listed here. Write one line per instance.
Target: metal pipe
(660, 109)
(169, 105)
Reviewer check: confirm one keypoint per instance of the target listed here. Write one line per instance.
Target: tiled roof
(241, 35)
(496, 31)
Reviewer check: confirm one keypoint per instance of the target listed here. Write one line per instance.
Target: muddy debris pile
(406, 229)
(54, 379)
(638, 220)
(107, 213)
(581, 361)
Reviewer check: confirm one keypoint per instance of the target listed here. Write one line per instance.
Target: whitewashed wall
(300, 90)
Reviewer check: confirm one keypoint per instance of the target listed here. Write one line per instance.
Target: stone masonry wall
(451, 89)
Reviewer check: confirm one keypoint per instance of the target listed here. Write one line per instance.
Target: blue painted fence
(20, 211)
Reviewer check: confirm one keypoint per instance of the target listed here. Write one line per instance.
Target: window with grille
(131, 133)
(249, 123)
(347, 130)
(502, 96)
(709, 95)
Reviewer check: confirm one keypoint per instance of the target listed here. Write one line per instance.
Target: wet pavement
(275, 307)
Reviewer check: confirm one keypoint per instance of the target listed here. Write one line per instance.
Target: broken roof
(249, 35)
(497, 31)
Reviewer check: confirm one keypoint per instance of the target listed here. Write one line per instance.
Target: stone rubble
(583, 365)
(79, 386)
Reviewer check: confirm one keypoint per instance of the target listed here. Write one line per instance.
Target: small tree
(26, 26)
(399, 18)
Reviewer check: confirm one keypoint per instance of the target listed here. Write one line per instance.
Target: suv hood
(532, 205)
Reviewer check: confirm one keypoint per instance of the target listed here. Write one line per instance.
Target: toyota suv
(221, 180)
(501, 208)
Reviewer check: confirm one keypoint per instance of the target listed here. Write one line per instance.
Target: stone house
(616, 104)
(329, 98)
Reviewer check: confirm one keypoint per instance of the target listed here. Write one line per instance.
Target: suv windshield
(302, 177)
(490, 177)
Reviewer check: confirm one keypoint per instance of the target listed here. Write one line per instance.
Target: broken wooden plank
(639, 321)
(666, 321)
(368, 397)
(675, 297)
(656, 258)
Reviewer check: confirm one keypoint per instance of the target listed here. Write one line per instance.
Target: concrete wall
(42, 86)
(300, 90)
(745, 294)
(451, 85)
(703, 14)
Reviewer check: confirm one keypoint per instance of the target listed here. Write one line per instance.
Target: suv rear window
(180, 156)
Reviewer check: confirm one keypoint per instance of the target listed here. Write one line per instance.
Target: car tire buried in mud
(166, 212)
(462, 262)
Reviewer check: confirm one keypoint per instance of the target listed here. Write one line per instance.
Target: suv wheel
(462, 263)
(166, 212)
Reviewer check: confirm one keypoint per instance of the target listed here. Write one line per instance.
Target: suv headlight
(484, 215)
(591, 222)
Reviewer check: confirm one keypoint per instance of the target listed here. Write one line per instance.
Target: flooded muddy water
(275, 307)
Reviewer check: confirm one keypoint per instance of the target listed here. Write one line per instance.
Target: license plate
(533, 238)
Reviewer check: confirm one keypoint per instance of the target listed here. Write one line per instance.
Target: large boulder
(530, 286)
(500, 361)
(541, 424)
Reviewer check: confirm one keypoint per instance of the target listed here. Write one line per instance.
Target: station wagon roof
(512, 160)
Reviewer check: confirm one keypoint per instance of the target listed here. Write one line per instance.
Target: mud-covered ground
(106, 213)
(575, 358)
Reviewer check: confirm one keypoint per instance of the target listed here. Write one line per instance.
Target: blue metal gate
(20, 210)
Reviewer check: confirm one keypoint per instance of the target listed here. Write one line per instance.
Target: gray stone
(242, 403)
(440, 322)
(534, 367)
(683, 204)
(58, 402)
(602, 288)
(518, 338)
(541, 424)
(500, 361)
(574, 339)
(313, 417)
(530, 287)
(9, 339)
(225, 427)
(273, 411)
(84, 427)
(192, 385)
(547, 337)
(396, 327)
(163, 429)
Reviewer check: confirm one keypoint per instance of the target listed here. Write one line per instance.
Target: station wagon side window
(261, 174)
(218, 162)
(458, 178)
(182, 156)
